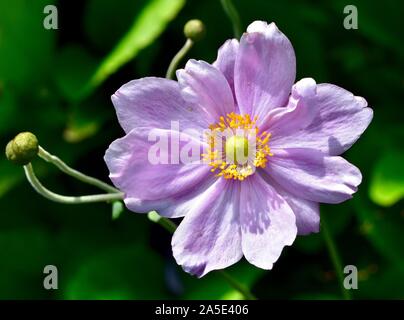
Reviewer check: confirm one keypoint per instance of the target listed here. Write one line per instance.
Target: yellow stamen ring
(235, 160)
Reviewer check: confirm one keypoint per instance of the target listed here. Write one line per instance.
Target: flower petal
(340, 120)
(311, 175)
(265, 69)
(307, 212)
(297, 115)
(209, 236)
(205, 88)
(149, 185)
(181, 205)
(154, 102)
(267, 222)
(226, 59)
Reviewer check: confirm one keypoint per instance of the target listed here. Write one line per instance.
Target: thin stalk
(237, 285)
(74, 173)
(164, 222)
(335, 257)
(178, 58)
(171, 226)
(234, 17)
(38, 187)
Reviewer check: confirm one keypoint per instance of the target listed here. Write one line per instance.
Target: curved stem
(237, 285)
(233, 16)
(36, 184)
(74, 173)
(164, 222)
(177, 59)
(335, 258)
(171, 226)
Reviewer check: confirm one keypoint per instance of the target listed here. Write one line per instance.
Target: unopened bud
(194, 30)
(23, 148)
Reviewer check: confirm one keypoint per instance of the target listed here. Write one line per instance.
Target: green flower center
(236, 149)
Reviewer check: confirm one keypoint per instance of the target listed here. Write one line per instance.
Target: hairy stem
(178, 58)
(237, 285)
(233, 16)
(335, 258)
(38, 187)
(74, 173)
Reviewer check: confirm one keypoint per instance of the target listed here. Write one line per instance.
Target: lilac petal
(307, 212)
(311, 175)
(265, 69)
(205, 88)
(258, 26)
(148, 186)
(226, 59)
(182, 204)
(267, 222)
(340, 120)
(209, 236)
(154, 102)
(297, 115)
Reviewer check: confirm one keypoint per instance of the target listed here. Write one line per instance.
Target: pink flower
(250, 209)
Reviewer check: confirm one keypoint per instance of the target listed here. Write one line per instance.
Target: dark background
(47, 86)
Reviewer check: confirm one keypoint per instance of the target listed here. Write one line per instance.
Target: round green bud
(23, 148)
(194, 30)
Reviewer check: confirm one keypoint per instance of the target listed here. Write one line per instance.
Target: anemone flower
(231, 209)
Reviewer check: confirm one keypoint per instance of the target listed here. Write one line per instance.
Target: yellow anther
(228, 156)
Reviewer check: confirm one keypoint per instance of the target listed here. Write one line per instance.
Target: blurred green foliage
(58, 83)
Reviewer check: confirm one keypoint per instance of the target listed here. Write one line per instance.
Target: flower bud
(23, 148)
(194, 30)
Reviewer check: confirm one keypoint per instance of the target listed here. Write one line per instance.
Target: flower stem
(234, 17)
(38, 187)
(171, 226)
(164, 222)
(74, 173)
(177, 59)
(335, 258)
(237, 285)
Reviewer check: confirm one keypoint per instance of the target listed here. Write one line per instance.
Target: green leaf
(384, 30)
(118, 273)
(26, 49)
(148, 25)
(8, 108)
(85, 120)
(74, 68)
(25, 45)
(77, 132)
(120, 15)
(387, 183)
(10, 176)
(382, 229)
(386, 283)
(24, 252)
